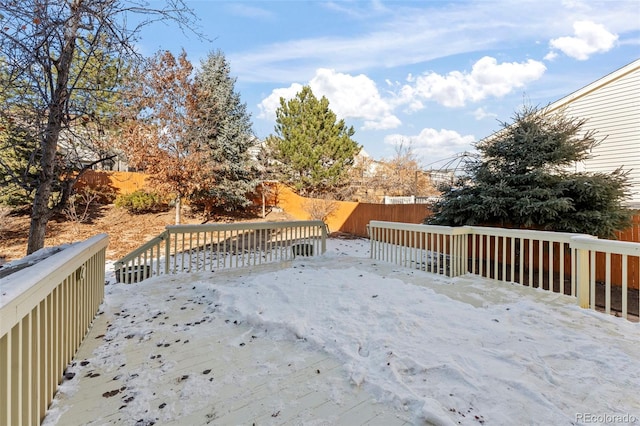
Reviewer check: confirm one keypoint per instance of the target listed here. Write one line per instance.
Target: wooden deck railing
(192, 248)
(558, 262)
(437, 249)
(628, 254)
(45, 313)
(540, 259)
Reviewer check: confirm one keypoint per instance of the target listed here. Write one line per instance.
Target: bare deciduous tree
(161, 97)
(400, 175)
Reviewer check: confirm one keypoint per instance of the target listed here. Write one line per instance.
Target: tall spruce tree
(523, 179)
(313, 151)
(222, 126)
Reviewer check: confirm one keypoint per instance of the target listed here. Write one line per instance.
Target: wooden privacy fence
(631, 234)
(114, 182)
(193, 248)
(553, 261)
(45, 312)
(346, 216)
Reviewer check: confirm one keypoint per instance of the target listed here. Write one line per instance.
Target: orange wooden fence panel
(633, 232)
(348, 216)
(115, 182)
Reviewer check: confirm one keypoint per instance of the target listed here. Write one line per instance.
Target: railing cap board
(179, 229)
(480, 230)
(526, 233)
(440, 229)
(31, 285)
(611, 246)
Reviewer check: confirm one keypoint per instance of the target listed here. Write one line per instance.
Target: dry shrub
(5, 211)
(320, 208)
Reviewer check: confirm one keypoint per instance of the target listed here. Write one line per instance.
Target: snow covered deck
(175, 359)
(345, 340)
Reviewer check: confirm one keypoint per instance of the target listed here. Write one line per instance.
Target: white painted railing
(627, 263)
(192, 248)
(563, 263)
(45, 312)
(540, 259)
(438, 249)
(410, 199)
(399, 199)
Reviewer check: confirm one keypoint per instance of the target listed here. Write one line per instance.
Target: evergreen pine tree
(222, 127)
(312, 149)
(18, 164)
(523, 179)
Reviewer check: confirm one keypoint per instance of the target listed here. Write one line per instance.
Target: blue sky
(433, 75)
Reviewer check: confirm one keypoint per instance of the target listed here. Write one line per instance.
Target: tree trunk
(41, 213)
(178, 208)
(264, 201)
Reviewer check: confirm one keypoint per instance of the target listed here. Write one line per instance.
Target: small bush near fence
(141, 202)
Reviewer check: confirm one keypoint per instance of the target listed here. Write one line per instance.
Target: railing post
(167, 250)
(324, 238)
(582, 279)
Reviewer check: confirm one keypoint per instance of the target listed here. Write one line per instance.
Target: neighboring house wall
(611, 106)
(82, 148)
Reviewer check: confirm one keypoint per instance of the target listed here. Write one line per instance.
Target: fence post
(582, 280)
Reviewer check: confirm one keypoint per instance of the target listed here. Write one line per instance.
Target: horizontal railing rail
(45, 312)
(559, 262)
(208, 247)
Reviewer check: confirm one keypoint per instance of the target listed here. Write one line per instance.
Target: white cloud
(383, 123)
(354, 97)
(250, 11)
(434, 146)
(350, 97)
(481, 114)
(271, 103)
(486, 79)
(589, 38)
(357, 10)
(416, 32)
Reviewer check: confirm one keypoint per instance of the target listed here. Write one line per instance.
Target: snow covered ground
(443, 351)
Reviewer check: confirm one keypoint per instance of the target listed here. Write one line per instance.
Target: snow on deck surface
(342, 339)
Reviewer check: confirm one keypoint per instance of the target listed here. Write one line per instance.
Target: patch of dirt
(126, 231)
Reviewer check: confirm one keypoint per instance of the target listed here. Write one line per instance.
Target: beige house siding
(611, 106)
